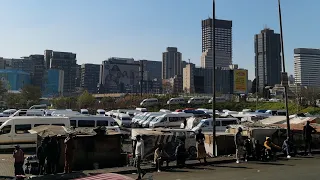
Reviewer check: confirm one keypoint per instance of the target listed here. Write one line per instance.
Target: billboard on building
(240, 81)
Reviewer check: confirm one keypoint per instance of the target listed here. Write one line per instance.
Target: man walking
(307, 135)
(69, 148)
(238, 140)
(139, 155)
(18, 156)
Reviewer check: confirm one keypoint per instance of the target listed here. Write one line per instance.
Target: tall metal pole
(285, 84)
(213, 44)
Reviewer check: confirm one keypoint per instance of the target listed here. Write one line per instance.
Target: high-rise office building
(38, 69)
(90, 77)
(223, 42)
(120, 75)
(171, 63)
(65, 61)
(307, 67)
(223, 60)
(267, 58)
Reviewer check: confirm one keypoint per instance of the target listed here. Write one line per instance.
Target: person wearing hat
(18, 156)
(238, 140)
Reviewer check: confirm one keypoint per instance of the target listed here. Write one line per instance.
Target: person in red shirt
(69, 152)
(18, 156)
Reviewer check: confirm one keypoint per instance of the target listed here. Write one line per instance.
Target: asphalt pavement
(293, 169)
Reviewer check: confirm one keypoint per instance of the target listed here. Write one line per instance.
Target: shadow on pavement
(60, 176)
(271, 163)
(200, 168)
(6, 177)
(233, 167)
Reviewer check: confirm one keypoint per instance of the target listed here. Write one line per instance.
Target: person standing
(18, 156)
(53, 157)
(69, 153)
(201, 151)
(139, 152)
(238, 140)
(181, 154)
(308, 130)
(41, 155)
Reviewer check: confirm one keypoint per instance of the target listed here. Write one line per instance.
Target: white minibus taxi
(15, 130)
(198, 100)
(170, 120)
(101, 112)
(149, 102)
(221, 124)
(91, 121)
(179, 100)
(122, 119)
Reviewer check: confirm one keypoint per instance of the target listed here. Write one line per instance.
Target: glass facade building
(53, 83)
(14, 80)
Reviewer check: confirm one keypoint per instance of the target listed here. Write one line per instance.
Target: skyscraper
(307, 67)
(90, 77)
(171, 63)
(267, 58)
(65, 61)
(223, 41)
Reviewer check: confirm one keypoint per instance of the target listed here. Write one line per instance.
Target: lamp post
(284, 76)
(213, 47)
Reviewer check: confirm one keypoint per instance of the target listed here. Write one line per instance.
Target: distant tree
(60, 103)
(3, 91)
(15, 101)
(31, 93)
(86, 100)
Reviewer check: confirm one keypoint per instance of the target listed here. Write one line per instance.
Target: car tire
(192, 151)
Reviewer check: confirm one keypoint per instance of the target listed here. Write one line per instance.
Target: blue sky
(142, 29)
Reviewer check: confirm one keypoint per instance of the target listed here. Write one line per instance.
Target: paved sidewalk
(130, 169)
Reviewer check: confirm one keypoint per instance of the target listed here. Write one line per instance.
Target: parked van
(170, 120)
(149, 102)
(146, 117)
(145, 124)
(64, 113)
(179, 100)
(218, 99)
(101, 112)
(221, 124)
(15, 130)
(40, 106)
(142, 109)
(198, 100)
(84, 111)
(91, 121)
(8, 112)
(122, 119)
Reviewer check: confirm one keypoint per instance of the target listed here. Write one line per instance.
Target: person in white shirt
(139, 155)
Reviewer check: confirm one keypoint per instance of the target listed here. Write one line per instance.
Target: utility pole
(284, 75)
(213, 44)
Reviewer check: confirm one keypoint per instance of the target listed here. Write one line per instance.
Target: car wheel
(192, 151)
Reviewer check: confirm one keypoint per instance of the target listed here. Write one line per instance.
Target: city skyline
(94, 33)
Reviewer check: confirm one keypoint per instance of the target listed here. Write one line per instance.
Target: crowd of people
(48, 152)
(48, 155)
(268, 150)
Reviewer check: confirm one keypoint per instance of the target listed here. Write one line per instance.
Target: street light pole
(284, 76)
(213, 44)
